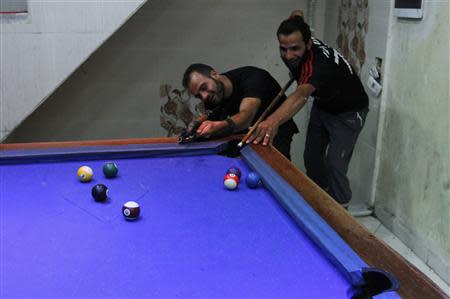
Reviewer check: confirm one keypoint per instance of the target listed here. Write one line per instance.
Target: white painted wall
(40, 50)
(413, 165)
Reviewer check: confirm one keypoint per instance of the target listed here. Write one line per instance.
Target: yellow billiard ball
(85, 173)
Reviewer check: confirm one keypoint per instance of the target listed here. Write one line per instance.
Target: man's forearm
(241, 121)
(236, 123)
(293, 104)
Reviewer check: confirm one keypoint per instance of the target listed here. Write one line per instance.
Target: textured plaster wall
(372, 42)
(413, 181)
(40, 50)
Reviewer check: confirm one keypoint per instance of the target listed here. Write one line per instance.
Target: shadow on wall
(176, 113)
(353, 24)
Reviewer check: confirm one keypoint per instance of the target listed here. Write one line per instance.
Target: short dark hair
(293, 24)
(201, 68)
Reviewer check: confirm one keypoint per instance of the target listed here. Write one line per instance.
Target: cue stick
(263, 116)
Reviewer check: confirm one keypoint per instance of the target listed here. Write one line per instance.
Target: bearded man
(338, 112)
(235, 100)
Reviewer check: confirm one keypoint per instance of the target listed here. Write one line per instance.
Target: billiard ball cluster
(85, 173)
(233, 177)
(130, 209)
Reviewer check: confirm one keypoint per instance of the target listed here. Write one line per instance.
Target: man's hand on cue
(265, 133)
(209, 128)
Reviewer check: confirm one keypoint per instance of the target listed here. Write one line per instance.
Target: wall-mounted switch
(374, 86)
(374, 72)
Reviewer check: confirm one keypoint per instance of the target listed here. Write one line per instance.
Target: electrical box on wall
(12, 7)
(412, 9)
(374, 79)
(374, 86)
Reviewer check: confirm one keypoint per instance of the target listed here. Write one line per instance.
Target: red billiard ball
(131, 210)
(235, 171)
(231, 181)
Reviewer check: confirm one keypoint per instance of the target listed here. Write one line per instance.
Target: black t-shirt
(251, 82)
(338, 87)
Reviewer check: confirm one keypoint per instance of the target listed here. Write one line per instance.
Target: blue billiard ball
(253, 180)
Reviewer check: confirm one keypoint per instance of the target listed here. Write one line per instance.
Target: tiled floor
(379, 230)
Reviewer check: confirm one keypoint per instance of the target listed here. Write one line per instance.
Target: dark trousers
(330, 141)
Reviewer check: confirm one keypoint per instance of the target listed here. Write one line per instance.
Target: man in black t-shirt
(338, 113)
(235, 100)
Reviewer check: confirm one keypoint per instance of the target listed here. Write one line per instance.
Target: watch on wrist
(230, 126)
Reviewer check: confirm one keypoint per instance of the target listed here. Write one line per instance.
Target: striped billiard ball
(131, 210)
(231, 181)
(85, 173)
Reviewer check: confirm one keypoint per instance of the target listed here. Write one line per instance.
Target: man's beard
(220, 94)
(295, 66)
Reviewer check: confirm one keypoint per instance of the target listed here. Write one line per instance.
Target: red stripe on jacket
(307, 69)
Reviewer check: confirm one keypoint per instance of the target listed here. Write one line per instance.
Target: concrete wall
(40, 50)
(413, 178)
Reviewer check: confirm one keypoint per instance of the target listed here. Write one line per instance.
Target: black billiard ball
(131, 210)
(100, 192)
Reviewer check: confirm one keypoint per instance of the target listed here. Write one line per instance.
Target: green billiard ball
(110, 169)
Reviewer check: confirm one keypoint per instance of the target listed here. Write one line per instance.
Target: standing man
(338, 113)
(235, 100)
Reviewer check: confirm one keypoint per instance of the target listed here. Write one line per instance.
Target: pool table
(193, 239)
